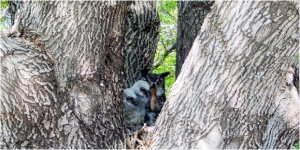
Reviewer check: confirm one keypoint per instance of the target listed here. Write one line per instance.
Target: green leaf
(167, 10)
(3, 4)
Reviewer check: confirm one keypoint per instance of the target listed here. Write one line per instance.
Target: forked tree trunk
(191, 15)
(235, 89)
(62, 76)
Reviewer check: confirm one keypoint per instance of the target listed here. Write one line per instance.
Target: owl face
(156, 81)
(129, 97)
(129, 102)
(142, 91)
(157, 85)
(135, 100)
(133, 109)
(141, 88)
(138, 95)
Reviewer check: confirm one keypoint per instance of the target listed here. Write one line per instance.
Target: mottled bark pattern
(235, 89)
(28, 99)
(141, 38)
(191, 15)
(14, 6)
(64, 92)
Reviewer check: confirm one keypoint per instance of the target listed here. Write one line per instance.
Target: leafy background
(167, 11)
(3, 8)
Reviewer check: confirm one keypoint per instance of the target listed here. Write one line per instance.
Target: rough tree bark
(62, 74)
(14, 5)
(235, 89)
(141, 38)
(191, 15)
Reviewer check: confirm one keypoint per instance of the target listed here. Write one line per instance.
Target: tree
(191, 15)
(141, 38)
(62, 74)
(235, 88)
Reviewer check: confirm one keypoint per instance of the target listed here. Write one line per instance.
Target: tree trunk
(141, 38)
(62, 76)
(191, 15)
(235, 90)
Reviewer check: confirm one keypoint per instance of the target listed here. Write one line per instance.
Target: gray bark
(62, 75)
(14, 6)
(141, 38)
(235, 90)
(191, 15)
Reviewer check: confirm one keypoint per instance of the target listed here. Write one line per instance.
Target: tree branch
(162, 58)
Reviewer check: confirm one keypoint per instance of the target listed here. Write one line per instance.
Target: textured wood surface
(140, 39)
(62, 76)
(191, 15)
(233, 91)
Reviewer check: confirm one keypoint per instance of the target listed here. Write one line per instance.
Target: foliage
(168, 34)
(3, 6)
(296, 146)
(167, 11)
(168, 66)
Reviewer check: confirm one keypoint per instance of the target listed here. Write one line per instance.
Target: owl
(135, 100)
(157, 88)
(142, 90)
(133, 117)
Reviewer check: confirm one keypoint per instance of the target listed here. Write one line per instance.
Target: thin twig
(161, 59)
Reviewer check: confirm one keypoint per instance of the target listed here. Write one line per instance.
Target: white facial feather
(129, 93)
(134, 114)
(140, 84)
(128, 108)
(145, 95)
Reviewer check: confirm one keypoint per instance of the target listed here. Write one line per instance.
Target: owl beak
(153, 99)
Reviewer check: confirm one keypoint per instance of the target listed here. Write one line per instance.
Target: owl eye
(158, 82)
(130, 100)
(143, 91)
